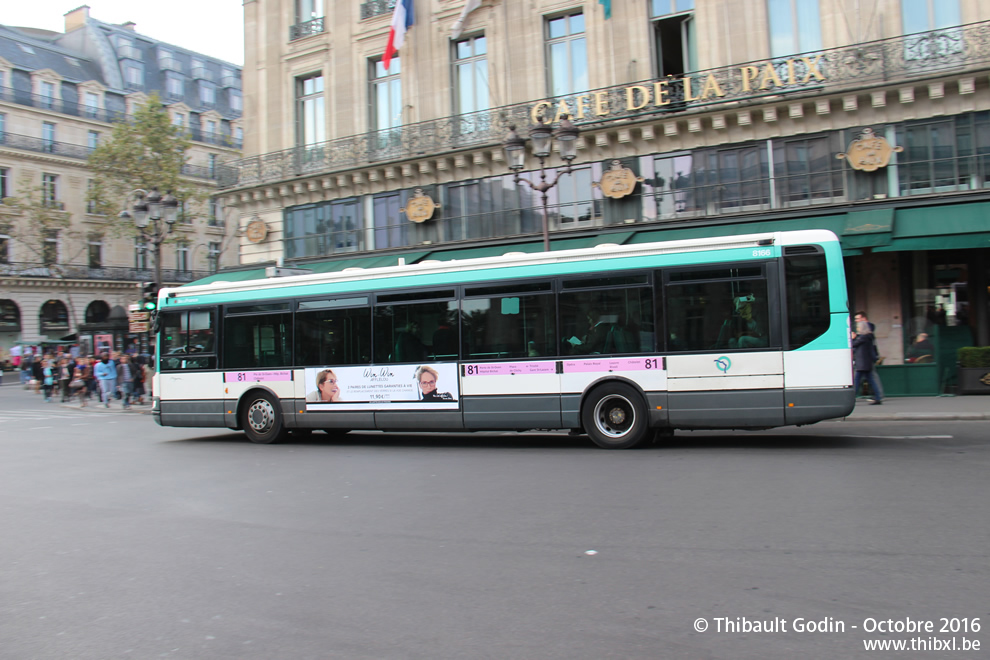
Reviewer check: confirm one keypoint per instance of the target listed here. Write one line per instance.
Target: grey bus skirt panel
(204, 413)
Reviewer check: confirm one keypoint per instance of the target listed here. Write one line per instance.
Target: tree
(39, 225)
(144, 153)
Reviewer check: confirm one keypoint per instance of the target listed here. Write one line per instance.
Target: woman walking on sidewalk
(106, 377)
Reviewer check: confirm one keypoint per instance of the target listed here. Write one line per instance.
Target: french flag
(402, 20)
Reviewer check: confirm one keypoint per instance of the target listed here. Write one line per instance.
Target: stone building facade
(60, 94)
(723, 117)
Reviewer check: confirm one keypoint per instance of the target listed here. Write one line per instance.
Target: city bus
(622, 343)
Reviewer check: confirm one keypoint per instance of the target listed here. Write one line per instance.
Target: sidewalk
(922, 409)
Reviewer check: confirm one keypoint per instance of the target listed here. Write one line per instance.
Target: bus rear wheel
(614, 417)
(261, 419)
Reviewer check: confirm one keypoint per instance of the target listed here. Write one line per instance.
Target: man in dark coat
(865, 357)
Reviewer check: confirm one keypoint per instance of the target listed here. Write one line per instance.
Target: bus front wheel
(262, 419)
(614, 416)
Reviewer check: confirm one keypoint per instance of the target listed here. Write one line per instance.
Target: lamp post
(150, 208)
(542, 138)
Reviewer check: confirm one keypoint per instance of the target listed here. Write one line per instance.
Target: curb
(918, 417)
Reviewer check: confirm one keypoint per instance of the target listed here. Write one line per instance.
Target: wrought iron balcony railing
(894, 60)
(300, 30)
(108, 273)
(371, 8)
(73, 108)
(41, 145)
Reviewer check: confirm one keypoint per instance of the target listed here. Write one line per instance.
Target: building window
(49, 248)
(93, 139)
(48, 136)
(213, 165)
(49, 190)
(471, 74)
(179, 119)
(919, 16)
(182, 257)
(134, 75)
(90, 203)
(795, 27)
(4, 247)
(140, 253)
(47, 94)
(309, 19)
(805, 171)
(92, 104)
(236, 101)
(210, 134)
(673, 31)
(4, 188)
(325, 228)
(207, 93)
(214, 219)
(239, 137)
(567, 54)
(95, 252)
(386, 94)
(174, 85)
(310, 110)
(213, 257)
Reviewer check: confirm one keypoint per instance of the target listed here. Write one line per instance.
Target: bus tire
(262, 420)
(614, 416)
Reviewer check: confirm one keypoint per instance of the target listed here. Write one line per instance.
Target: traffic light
(149, 296)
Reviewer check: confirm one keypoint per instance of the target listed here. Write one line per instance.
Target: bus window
(333, 336)
(807, 295)
(508, 326)
(609, 321)
(257, 341)
(416, 332)
(712, 315)
(188, 340)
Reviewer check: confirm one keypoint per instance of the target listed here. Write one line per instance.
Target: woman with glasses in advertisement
(427, 379)
(327, 390)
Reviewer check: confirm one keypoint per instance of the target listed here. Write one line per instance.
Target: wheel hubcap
(614, 416)
(261, 416)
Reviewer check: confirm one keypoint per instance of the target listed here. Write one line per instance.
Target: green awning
(370, 261)
(834, 223)
(618, 238)
(231, 276)
(945, 227)
(329, 266)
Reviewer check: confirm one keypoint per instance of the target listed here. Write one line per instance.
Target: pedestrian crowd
(107, 377)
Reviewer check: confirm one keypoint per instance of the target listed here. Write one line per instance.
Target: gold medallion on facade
(618, 181)
(869, 152)
(420, 207)
(256, 230)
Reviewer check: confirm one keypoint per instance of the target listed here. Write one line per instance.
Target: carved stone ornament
(869, 152)
(420, 207)
(618, 181)
(256, 230)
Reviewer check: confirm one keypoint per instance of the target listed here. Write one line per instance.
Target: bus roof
(510, 260)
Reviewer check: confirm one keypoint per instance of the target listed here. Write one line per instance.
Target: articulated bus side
(618, 342)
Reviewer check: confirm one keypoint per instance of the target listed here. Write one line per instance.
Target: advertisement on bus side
(383, 387)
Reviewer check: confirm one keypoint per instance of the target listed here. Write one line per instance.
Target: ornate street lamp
(159, 213)
(541, 137)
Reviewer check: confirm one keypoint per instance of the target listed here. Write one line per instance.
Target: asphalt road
(120, 539)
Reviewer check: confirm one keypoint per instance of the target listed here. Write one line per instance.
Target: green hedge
(974, 356)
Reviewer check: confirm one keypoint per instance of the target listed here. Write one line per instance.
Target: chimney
(129, 25)
(76, 18)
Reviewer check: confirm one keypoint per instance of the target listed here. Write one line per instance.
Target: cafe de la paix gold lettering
(752, 78)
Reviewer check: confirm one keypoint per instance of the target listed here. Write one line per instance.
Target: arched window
(97, 312)
(54, 317)
(10, 316)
